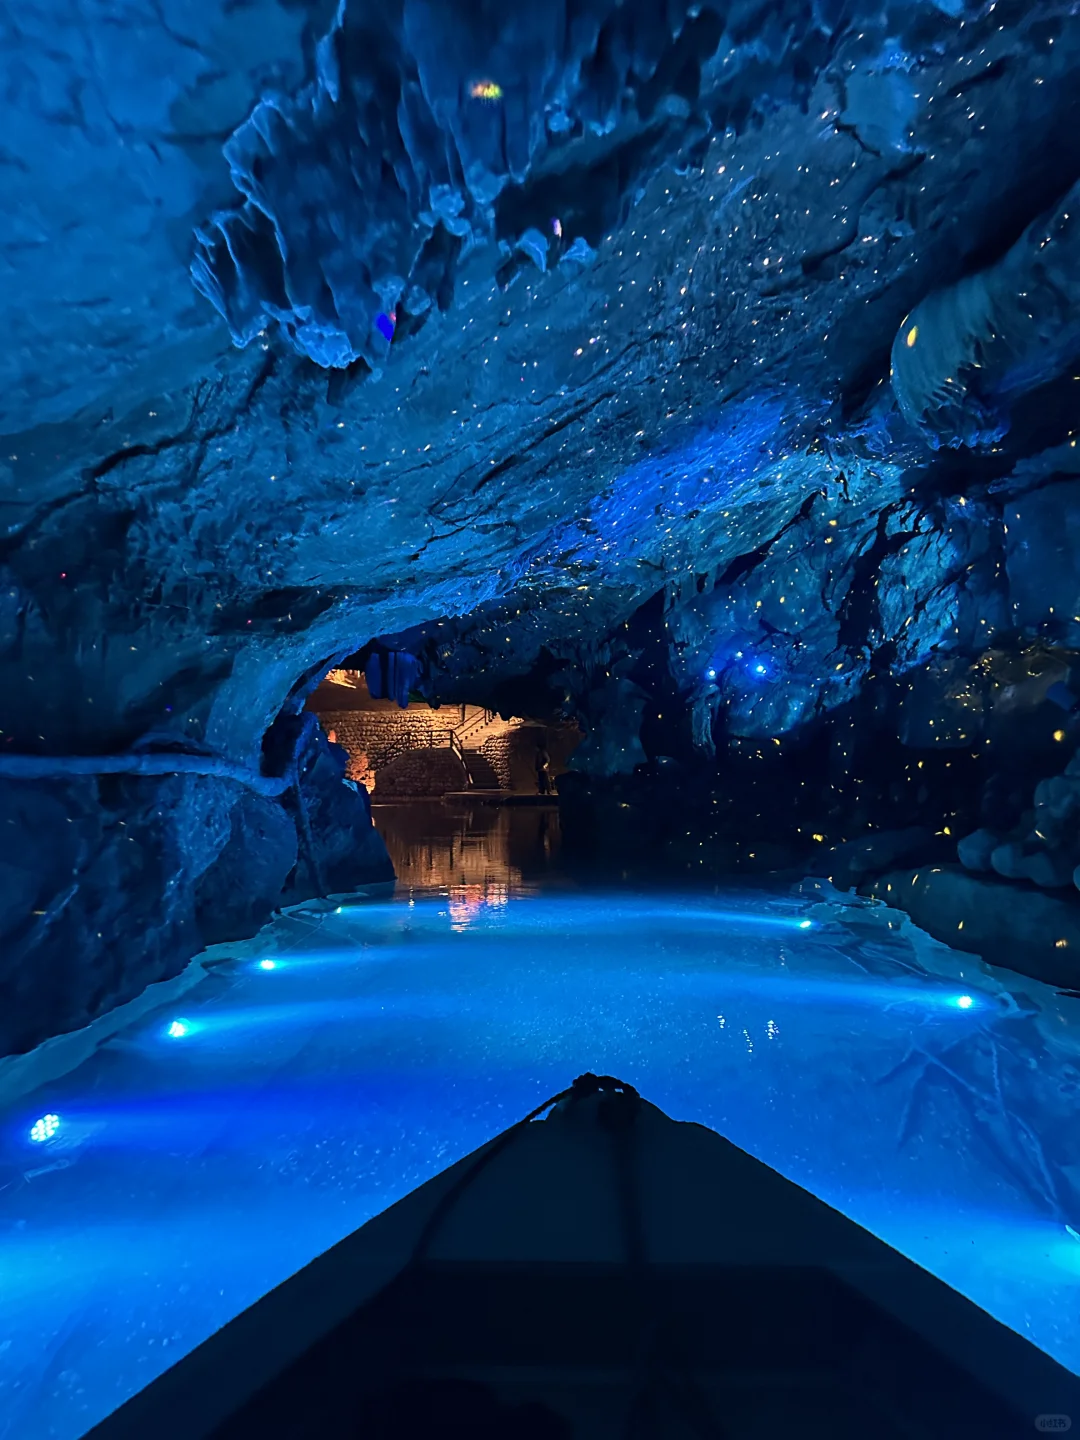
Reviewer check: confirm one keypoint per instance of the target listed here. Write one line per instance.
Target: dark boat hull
(608, 1272)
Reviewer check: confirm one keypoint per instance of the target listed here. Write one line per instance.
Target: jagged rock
(964, 355)
(98, 894)
(974, 851)
(109, 885)
(1057, 809)
(677, 447)
(1041, 556)
(1017, 927)
(1049, 870)
(338, 848)
(239, 890)
(849, 863)
(1031, 860)
(612, 744)
(1010, 860)
(345, 850)
(533, 244)
(421, 117)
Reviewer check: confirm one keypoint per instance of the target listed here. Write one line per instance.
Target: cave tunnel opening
(405, 742)
(402, 747)
(464, 792)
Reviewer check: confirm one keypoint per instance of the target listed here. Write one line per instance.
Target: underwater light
(267, 964)
(965, 1002)
(45, 1128)
(178, 1029)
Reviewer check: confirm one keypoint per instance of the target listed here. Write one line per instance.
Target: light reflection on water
(451, 846)
(215, 1146)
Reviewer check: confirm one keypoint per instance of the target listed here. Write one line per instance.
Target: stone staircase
(481, 772)
(467, 742)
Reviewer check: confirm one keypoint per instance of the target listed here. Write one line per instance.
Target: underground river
(247, 1116)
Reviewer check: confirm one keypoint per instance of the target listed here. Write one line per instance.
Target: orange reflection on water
(467, 901)
(469, 851)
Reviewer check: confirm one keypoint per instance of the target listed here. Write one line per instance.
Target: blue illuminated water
(212, 1147)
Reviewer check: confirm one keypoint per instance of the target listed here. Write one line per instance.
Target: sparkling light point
(45, 1128)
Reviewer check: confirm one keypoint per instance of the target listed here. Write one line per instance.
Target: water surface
(215, 1145)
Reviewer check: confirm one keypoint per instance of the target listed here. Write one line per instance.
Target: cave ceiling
(489, 325)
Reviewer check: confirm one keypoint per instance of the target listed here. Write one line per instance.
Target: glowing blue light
(965, 1002)
(267, 964)
(178, 1029)
(45, 1128)
(806, 924)
(757, 667)
(710, 674)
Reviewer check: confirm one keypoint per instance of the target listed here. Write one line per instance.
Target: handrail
(471, 726)
(455, 748)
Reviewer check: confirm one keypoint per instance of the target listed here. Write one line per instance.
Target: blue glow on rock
(267, 964)
(177, 1029)
(964, 1002)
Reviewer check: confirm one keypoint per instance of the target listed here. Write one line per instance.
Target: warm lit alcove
(419, 751)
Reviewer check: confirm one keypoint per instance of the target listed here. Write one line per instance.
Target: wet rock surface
(1017, 927)
(110, 884)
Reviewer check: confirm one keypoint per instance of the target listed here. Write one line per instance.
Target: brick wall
(496, 749)
(419, 773)
(513, 753)
(381, 735)
(375, 737)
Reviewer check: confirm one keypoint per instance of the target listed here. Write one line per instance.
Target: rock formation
(706, 369)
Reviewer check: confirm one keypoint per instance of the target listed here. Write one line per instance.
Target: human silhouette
(543, 773)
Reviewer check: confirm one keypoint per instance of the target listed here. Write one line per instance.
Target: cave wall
(498, 331)
(109, 883)
(374, 738)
